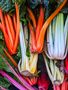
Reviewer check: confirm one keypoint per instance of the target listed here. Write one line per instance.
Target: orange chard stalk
(2, 19)
(32, 17)
(14, 22)
(40, 22)
(10, 57)
(8, 30)
(11, 26)
(17, 29)
(7, 41)
(33, 39)
(40, 41)
(3, 28)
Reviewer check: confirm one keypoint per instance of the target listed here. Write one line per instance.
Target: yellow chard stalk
(56, 47)
(27, 65)
(55, 74)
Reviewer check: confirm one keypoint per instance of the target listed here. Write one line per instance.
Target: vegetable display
(33, 45)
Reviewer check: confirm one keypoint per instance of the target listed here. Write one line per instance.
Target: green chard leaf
(18, 55)
(5, 5)
(3, 65)
(28, 52)
(20, 2)
(65, 10)
(4, 82)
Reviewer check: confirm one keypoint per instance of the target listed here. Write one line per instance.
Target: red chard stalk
(43, 82)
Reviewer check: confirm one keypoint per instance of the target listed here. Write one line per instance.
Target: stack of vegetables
(33, 45)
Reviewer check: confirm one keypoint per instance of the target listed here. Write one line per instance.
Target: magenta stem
(2, 88)
(18, 75)
(11, 80)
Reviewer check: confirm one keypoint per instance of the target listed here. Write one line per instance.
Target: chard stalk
(49, 39)
(24, 62)
(22, 44)
(33, 63)
(57, 38)
(11, 80)
(17, 75)
(26, 35)
(52, 67)
(2, 88)
(49, 73)
(66, 31)
(27, 66)
(56, 76)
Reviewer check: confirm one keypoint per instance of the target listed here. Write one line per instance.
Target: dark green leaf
(6, 5)
(18, 55)
(3, 65)
(4, 83)
(20, 2)
(28, 52)
(34, 3)
(1, 36)
(65, 10)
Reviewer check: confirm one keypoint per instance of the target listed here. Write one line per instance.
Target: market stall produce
(33, 45)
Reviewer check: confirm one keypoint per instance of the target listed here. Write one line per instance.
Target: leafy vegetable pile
(34, 44)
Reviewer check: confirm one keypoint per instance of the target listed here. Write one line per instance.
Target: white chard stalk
(57, 33)
(55, 74)
(66, 32)
(27, 66)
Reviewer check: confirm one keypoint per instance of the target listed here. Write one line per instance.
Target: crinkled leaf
(20, 2)
(9, 6)
(3, 65)
(50, 8)
(4, 83)
(23, 13)
(6, 5)
(34, 3)
(28, 52)
(18, 55)
(1, 36)
(65, 10)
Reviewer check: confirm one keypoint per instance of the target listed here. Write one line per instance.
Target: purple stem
(18, 76)
(15, 83)
(2, 88)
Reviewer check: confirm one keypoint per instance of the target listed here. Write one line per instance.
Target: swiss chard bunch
(56, 47)
(40, 29)
(10, 27)
(55, 70)
(28, 64)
